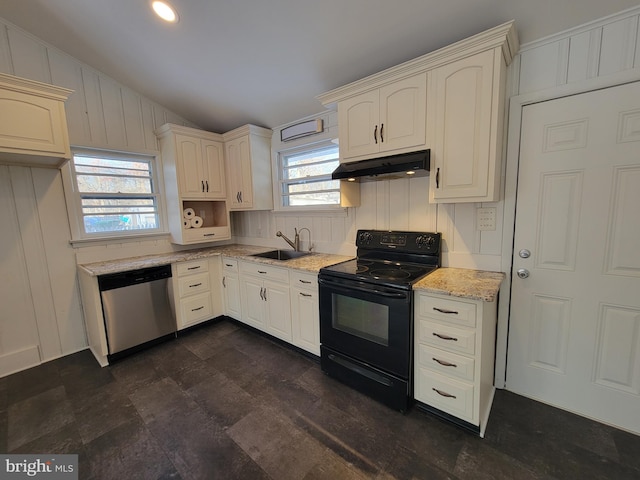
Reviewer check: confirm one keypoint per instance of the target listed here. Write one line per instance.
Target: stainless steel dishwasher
(137, 309)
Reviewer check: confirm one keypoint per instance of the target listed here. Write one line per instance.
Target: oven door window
(355, 316)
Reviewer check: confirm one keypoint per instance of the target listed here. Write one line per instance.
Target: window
(305, 176)
(114, 194)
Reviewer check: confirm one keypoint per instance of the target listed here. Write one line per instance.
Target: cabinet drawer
(447, 363)
(445, 393)
(304, 280)
(453, 311)
(192, 284)
(206, 234)
(229, 264)
(196, 266)
(266, 272)
(446, 337)
(196, 308)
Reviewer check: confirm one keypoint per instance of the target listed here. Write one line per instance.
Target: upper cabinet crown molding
(33, 125)
(503, 36)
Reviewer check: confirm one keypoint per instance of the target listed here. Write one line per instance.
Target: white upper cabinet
(388, 120)
(248, 164)
(199, 163)
(468, 99)
(33, 125)
(450, 101)
(194, 178)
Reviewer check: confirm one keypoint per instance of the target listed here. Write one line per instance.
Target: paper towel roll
(196, 222)
(188, 213)
(186, 223)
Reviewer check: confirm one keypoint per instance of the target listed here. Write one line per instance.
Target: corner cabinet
(450, 101)
(454, 358)
(194, 176)
(248, 165)
(391, 119)
(467, 97)
(33, 125)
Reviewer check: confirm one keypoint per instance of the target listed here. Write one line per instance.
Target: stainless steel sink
(281, 254)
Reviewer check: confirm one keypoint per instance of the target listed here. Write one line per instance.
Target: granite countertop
(310, 263)
(462, 282)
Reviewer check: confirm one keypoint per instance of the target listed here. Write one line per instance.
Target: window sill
(312, 212)
(107, 240)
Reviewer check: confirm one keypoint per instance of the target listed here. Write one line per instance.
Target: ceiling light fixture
(165, 11)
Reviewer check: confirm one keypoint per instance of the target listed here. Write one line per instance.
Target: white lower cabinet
(305, 311)
(454, 357)
(264, 294)
(231, 288)
(194, 294)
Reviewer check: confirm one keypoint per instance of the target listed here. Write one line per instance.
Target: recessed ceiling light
(165, 11)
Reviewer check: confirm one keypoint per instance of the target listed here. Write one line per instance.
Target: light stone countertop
(310, 263)
(462, 282)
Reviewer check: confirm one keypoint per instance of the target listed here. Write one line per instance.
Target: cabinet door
(213, 167)
(239, 173)
(278, 310)
(403, 113)
(252, 297)
(462, 154)
(358, 124)
(305, 319)
(231, 286)
(190, 167)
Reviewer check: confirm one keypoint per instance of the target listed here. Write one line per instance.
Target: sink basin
(281, 254)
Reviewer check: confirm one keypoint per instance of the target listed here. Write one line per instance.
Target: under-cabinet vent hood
(413, 164)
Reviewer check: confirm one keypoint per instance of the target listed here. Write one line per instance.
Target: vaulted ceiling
(231, 62)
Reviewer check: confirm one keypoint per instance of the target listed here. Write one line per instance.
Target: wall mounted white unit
(300, 130)
(33, 125)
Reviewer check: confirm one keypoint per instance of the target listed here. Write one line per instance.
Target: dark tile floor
(223, 402)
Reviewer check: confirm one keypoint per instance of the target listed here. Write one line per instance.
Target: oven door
(367, 322)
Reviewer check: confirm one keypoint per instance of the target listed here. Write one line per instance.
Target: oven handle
(372, 291)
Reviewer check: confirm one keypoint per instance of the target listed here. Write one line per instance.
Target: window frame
(74, 198)
(279, 182)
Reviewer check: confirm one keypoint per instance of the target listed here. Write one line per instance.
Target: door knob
(524, 253)
(523, 273)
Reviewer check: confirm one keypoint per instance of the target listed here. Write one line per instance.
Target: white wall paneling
(41, 316)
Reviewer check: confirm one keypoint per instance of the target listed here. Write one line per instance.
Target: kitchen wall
(40, 312)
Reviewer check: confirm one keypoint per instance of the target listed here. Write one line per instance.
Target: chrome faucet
(296, 240)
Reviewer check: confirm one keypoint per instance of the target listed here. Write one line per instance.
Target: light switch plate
(486, 218)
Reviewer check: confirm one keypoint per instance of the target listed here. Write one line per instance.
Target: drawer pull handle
(445, 337)
(304, 281)
(444, 394)
(261, 271)
(444, 310)
(443, 363)
(305, 294)
(196, 309)
(228, 264)
(209, 235)
(193, 268)
(224, 282)
(195, 285)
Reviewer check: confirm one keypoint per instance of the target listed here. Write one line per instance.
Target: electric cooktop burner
(396, 259)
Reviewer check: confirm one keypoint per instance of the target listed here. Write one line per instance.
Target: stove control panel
(410, 242)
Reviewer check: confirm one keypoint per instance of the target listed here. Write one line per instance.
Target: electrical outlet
(486, 218)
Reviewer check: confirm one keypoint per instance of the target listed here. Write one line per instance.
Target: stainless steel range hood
(413, 164)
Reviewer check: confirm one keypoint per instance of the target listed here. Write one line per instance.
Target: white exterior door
(574, 334)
